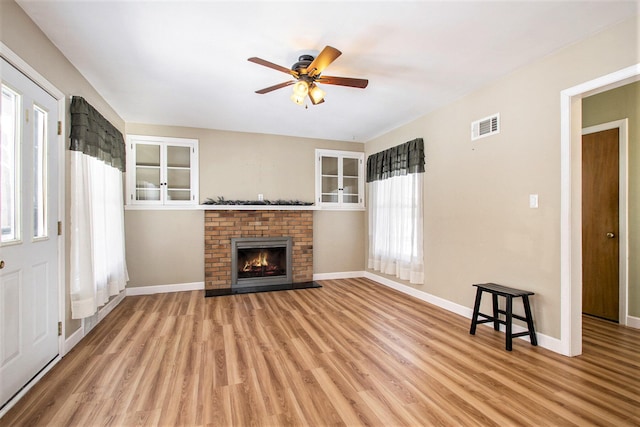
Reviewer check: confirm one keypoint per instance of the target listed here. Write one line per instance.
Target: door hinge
(59, 329)
(59, 127)
(59, 228)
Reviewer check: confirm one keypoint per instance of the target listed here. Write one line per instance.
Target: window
(162, 171)
(9, 168)
(40, 121)
(339, 179)
(395, 183)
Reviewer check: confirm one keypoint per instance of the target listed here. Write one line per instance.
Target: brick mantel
(221, 225)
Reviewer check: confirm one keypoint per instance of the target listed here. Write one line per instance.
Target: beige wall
(616, 104)
(239, 166)
(478, 225)
(25, 39)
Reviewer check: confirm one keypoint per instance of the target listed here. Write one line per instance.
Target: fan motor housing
(302, 64)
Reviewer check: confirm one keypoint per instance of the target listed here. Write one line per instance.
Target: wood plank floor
(350, 353)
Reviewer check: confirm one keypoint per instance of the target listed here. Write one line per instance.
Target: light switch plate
(533, 201)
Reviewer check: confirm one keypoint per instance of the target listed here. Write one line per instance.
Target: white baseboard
(633, 322)
(73, 340)
(545, 341)
(163, 289)
(341, 275)
(108, 307)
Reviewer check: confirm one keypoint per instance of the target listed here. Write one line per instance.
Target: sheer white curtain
(394, 182)
(395, 227)
(98, 268)
(97, 252)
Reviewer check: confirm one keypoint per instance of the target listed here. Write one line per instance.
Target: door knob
(610, 235)
(1, 264)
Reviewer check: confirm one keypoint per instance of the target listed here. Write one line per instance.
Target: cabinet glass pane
(350, 185)
(179, 178)
(349, 198)
(178, 156)
(148, 194)
(147, 183)
(147, 155)
(178, 195)
(330, 198)
(329, 184)
(329, 166)
(350, 167)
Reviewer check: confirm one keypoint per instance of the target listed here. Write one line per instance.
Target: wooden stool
(509, 294)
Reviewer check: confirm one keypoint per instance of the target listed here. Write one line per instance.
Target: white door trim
(26, 69)
(571, 201)
(623, 234)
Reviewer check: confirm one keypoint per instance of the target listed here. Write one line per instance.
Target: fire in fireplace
(258, 261)
(262, 262)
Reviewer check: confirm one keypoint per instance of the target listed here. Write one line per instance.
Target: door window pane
(39, 173)
(9, 166)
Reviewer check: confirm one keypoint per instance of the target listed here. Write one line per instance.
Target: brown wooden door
(600, 217)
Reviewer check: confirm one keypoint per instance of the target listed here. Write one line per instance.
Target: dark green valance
(400, 160)
(95, 136)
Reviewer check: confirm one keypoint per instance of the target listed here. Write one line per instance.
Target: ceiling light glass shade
(316, 94)
(301, 88)
(297, 99)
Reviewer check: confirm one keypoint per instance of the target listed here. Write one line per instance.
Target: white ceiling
(184, 63)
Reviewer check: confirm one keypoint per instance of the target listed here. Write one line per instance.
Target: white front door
(29, 293)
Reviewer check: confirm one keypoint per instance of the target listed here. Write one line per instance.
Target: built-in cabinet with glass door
(339, 179)
(162, 170)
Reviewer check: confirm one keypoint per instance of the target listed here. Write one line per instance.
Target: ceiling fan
(307, 72)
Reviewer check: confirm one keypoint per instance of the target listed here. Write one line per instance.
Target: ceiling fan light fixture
(301, 88)
(297, 99)
(316, 94)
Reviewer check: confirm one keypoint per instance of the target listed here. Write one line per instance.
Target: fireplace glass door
(259, 261)
(263, 262)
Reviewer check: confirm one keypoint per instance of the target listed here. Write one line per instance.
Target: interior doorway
(603, 213)
(570, 203)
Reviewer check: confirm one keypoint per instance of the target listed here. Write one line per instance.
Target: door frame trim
(623, 210)
(571, 202)
(21, 65)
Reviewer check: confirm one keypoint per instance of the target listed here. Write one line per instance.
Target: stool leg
(476, 310)
(527, 313)
(509, 321)
(496, 314)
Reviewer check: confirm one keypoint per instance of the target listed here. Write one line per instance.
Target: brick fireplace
(220, 226)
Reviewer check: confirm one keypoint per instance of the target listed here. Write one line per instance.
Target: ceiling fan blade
(265, 63)
(322, 61)
(343, 81)
(274, 87)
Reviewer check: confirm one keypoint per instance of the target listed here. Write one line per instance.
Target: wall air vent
(485, 127)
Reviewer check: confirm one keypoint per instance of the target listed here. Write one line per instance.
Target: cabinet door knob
(610, 235)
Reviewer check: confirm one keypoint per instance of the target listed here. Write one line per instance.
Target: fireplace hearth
(260, 261)
(222, 224)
